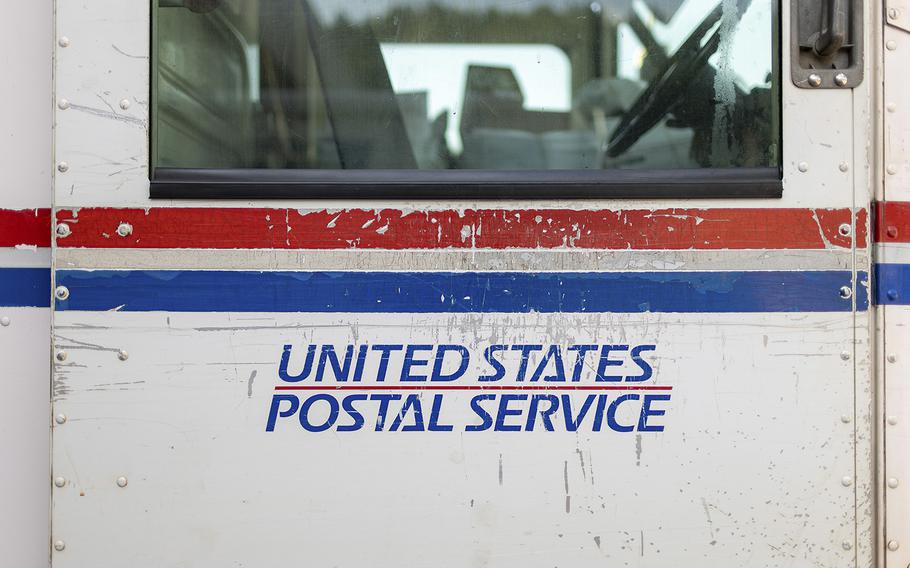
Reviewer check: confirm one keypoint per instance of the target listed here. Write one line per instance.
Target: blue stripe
(25, 287)
(892, 284)
(458, 292)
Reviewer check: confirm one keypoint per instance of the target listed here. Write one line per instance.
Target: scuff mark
(111, 115)
(249, 384)
(597, 542)
(130, 55)
(565, 474)
(500, 470)
(638, 449)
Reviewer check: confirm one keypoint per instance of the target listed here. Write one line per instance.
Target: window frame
(294, 184)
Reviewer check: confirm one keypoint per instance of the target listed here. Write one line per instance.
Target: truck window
(476, 85)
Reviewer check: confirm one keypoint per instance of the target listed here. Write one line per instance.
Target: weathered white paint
(749, 471)
(512, 259)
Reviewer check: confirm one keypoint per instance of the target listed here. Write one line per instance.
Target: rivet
(4, 321)
(803, 167)
(893, 483)
(847, 545)
(124, 104)
(845, 230)
(123, 355)
(891, 45)
(843, 166)
(61, 356)
(124, 229)
(893, 545)
(846, 481)
(846, 418)
(845, 355)
(892, 420)
(892, 294)
(122, 481)
(846, 292)
(63, 167)
(892, 358)
(59, 545)
(891, 107)
(891, 169)
(892, 232)
(840, 80)
(63, 230)
(63, 41)
(893, 14)
(59, 481)
(63, 104)
(62, 292)
(60, 418)
(815, 80)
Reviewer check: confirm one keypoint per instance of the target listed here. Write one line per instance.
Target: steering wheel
(669, 85)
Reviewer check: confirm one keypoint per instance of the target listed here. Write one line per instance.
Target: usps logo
(445, 387)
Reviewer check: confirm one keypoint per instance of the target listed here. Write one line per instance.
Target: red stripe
(472, 388)
(30, 227)
(892, 222)
(217, 228)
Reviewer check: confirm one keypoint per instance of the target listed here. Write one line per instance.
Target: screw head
(60, 418)
(63, 167)
(891, 45)
(845, 355)
(893, 545)
(847, 545)
(846, 418)
(62, 292)
(892, 357)
(124, 104)
(4, 321)
(61, 356)
(893, 483)
(122, 481)
(803, 167)
(63, 104)
(59, 482)
(846, 481)
(63, 230)
(843, 166)
(892, 294)
(892, 420)
(893, 14)
(891, 169)
(840, 80)
(892, 232)
(845, 230)
(124, 229)
(891, 107)
(846, 292)
(815, 80)
(123, 355)
(63, 41)
(59, 545)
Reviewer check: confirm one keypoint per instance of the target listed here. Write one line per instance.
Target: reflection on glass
(465, 84)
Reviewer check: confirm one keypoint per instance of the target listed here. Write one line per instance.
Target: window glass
(465, 84)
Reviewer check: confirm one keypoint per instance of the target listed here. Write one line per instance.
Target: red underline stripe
(473, 388)
(477, 229)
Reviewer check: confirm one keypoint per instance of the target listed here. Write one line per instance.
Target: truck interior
(479, 85)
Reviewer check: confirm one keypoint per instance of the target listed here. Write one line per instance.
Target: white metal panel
(896, 474)
(897, 113)
(755, 467)
(26, 33)
(25, 161)
(25, 436)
